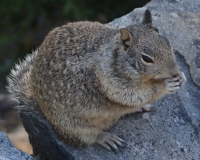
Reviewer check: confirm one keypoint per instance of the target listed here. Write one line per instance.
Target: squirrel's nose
(175, 75)
(174, 71)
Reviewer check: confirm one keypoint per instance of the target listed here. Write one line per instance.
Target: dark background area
(24, 24)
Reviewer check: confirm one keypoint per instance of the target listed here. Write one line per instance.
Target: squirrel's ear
(147, 19)
(125, 38)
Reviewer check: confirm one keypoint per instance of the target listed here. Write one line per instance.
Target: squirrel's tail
(19, 82)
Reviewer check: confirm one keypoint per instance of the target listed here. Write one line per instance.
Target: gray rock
(134, 17)
(46, 144)
(170, 132)
(9, 152)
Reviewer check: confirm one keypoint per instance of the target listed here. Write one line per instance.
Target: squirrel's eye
(147, 58)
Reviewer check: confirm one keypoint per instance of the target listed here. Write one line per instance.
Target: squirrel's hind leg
(90, 136)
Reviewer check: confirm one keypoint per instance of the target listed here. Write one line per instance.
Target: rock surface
(9, 152)
(46, 145)
(170, 132)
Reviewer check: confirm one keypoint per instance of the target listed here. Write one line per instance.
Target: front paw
(174, 83)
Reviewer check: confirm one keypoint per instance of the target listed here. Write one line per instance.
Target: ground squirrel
(86, 75)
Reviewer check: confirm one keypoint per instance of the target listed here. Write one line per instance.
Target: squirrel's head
(146, 51)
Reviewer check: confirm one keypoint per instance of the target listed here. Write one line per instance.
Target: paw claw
(112, 144)
(105, 145)
(148, 108)
(173, 84)
(109, 141)
(184, 80)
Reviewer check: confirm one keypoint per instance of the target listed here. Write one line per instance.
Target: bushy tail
(19, 82)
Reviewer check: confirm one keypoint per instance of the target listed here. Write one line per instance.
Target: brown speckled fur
(84, 77)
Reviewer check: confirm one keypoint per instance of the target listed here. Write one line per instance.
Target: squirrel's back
(71, 39)
(77, 38)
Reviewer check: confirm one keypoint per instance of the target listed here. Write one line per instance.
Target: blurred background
(23, 26)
